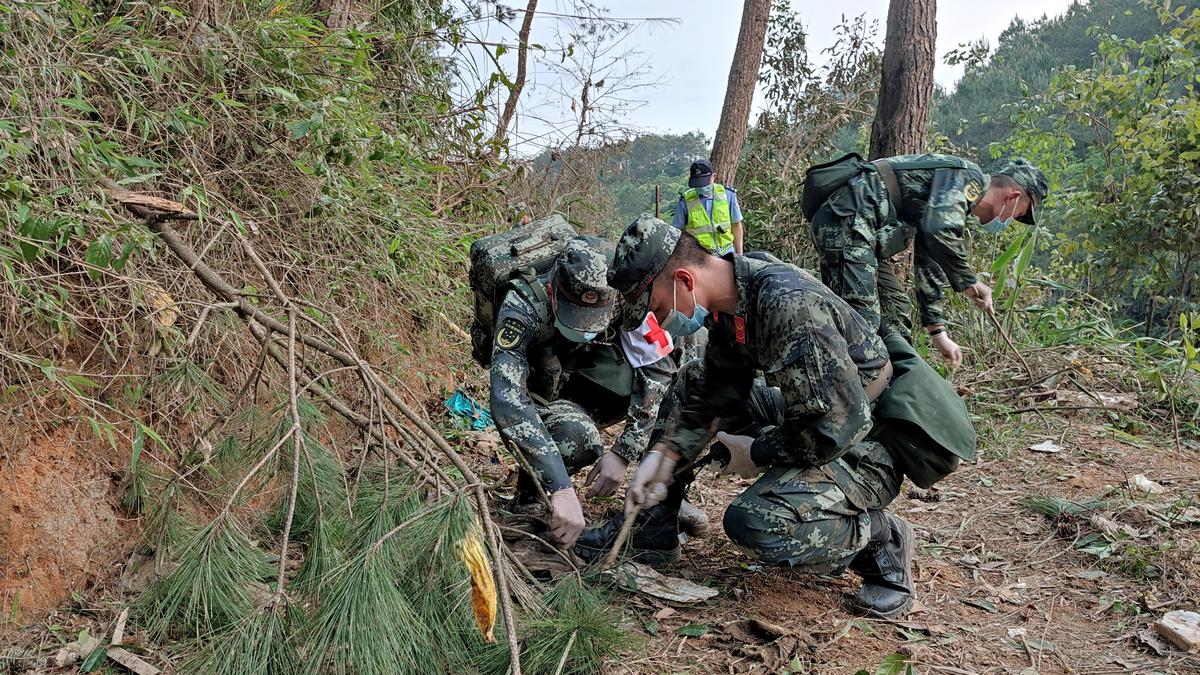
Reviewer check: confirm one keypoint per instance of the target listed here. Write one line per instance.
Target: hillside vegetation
(234, 299)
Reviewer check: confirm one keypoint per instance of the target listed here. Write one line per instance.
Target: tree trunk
(906, 88)
(739, 91)
(514, 93)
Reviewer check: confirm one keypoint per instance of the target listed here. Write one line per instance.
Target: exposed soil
(1001, 588)
(60, 531)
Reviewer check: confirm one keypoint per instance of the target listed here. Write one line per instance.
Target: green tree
(1121, 142)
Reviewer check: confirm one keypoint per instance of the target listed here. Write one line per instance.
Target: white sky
(692, 56)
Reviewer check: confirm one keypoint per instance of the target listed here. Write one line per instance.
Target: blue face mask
(574, 335)
(678, 324)
(706, 192)
(996, 225)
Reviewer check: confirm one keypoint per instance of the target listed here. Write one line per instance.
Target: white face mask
(705, 191)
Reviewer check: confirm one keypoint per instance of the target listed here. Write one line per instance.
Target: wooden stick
(622, 535)
(566, 652)
(996, 322)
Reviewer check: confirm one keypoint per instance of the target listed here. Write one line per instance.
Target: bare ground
(1001, 588)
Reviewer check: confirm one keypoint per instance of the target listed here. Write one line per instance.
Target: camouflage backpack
(504, 260)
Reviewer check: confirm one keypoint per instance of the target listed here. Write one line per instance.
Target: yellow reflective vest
(716, 233)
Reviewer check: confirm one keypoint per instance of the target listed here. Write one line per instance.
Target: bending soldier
(882, 206)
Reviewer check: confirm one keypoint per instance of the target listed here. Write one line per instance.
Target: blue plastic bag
(464, 407)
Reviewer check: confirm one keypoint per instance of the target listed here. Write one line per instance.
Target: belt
(877, 386)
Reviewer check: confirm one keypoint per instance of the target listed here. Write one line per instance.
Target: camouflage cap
(1032, 181)
(582, 299)
(642, 252)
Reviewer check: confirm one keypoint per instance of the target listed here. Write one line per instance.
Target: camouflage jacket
(933, 210)
(527, 364)
(809, 343)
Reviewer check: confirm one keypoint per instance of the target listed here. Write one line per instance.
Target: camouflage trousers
(814, 518)
(810, 518)
(846, 234)
(575, 434)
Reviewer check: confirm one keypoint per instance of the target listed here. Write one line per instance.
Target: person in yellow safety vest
(709, 211)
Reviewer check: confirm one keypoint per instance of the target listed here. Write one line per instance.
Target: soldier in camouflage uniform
(559, 375)
(860, 226)
(825, 479)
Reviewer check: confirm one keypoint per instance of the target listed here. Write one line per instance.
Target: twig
(455, 327)
(562, 554)
(1008, 339)
(1052, 408)
(566, 652)
(297, 447)
(156, 212)
(622, 535)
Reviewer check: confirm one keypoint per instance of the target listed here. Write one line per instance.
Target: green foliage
(1121, 143)
(813, 113)
(210, 588)
(262, 643)
(579, 625)
(647, 161)
(365, 624)
(1056, 506)
(398, 605)
(1026, 57)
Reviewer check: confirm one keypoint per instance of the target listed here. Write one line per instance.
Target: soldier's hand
(566, 517)
(948, 348)
(607, 475)
(740, 462)
(650, 481)
(980, 294)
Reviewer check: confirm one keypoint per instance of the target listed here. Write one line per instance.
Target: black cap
(700, 173)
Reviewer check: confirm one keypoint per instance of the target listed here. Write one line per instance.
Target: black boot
(886, 567)
(653, 540)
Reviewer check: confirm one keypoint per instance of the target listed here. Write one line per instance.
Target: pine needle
(166, 529)
(322, 557)
(262, 643)
(580, 625)
(365, 624)
(1056, 507)
(320, 494)
(209, 590)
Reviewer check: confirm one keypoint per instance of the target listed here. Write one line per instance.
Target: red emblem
(655, 334)
(739, 329)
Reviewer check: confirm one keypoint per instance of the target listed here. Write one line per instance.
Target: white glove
(566, 517)
(607, 475)
(980, 294)
(650, 481)
(740, 462)
(949, 349)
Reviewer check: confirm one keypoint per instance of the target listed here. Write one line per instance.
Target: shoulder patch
(972, 191)
(510, 334)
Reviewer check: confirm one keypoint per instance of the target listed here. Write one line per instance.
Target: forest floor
(1001, 587)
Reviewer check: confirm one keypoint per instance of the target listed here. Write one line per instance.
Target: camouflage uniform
(552, 412)
(823, 472)
(855, 233)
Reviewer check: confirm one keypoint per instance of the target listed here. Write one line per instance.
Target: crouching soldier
(560, 372)
(838, 420)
